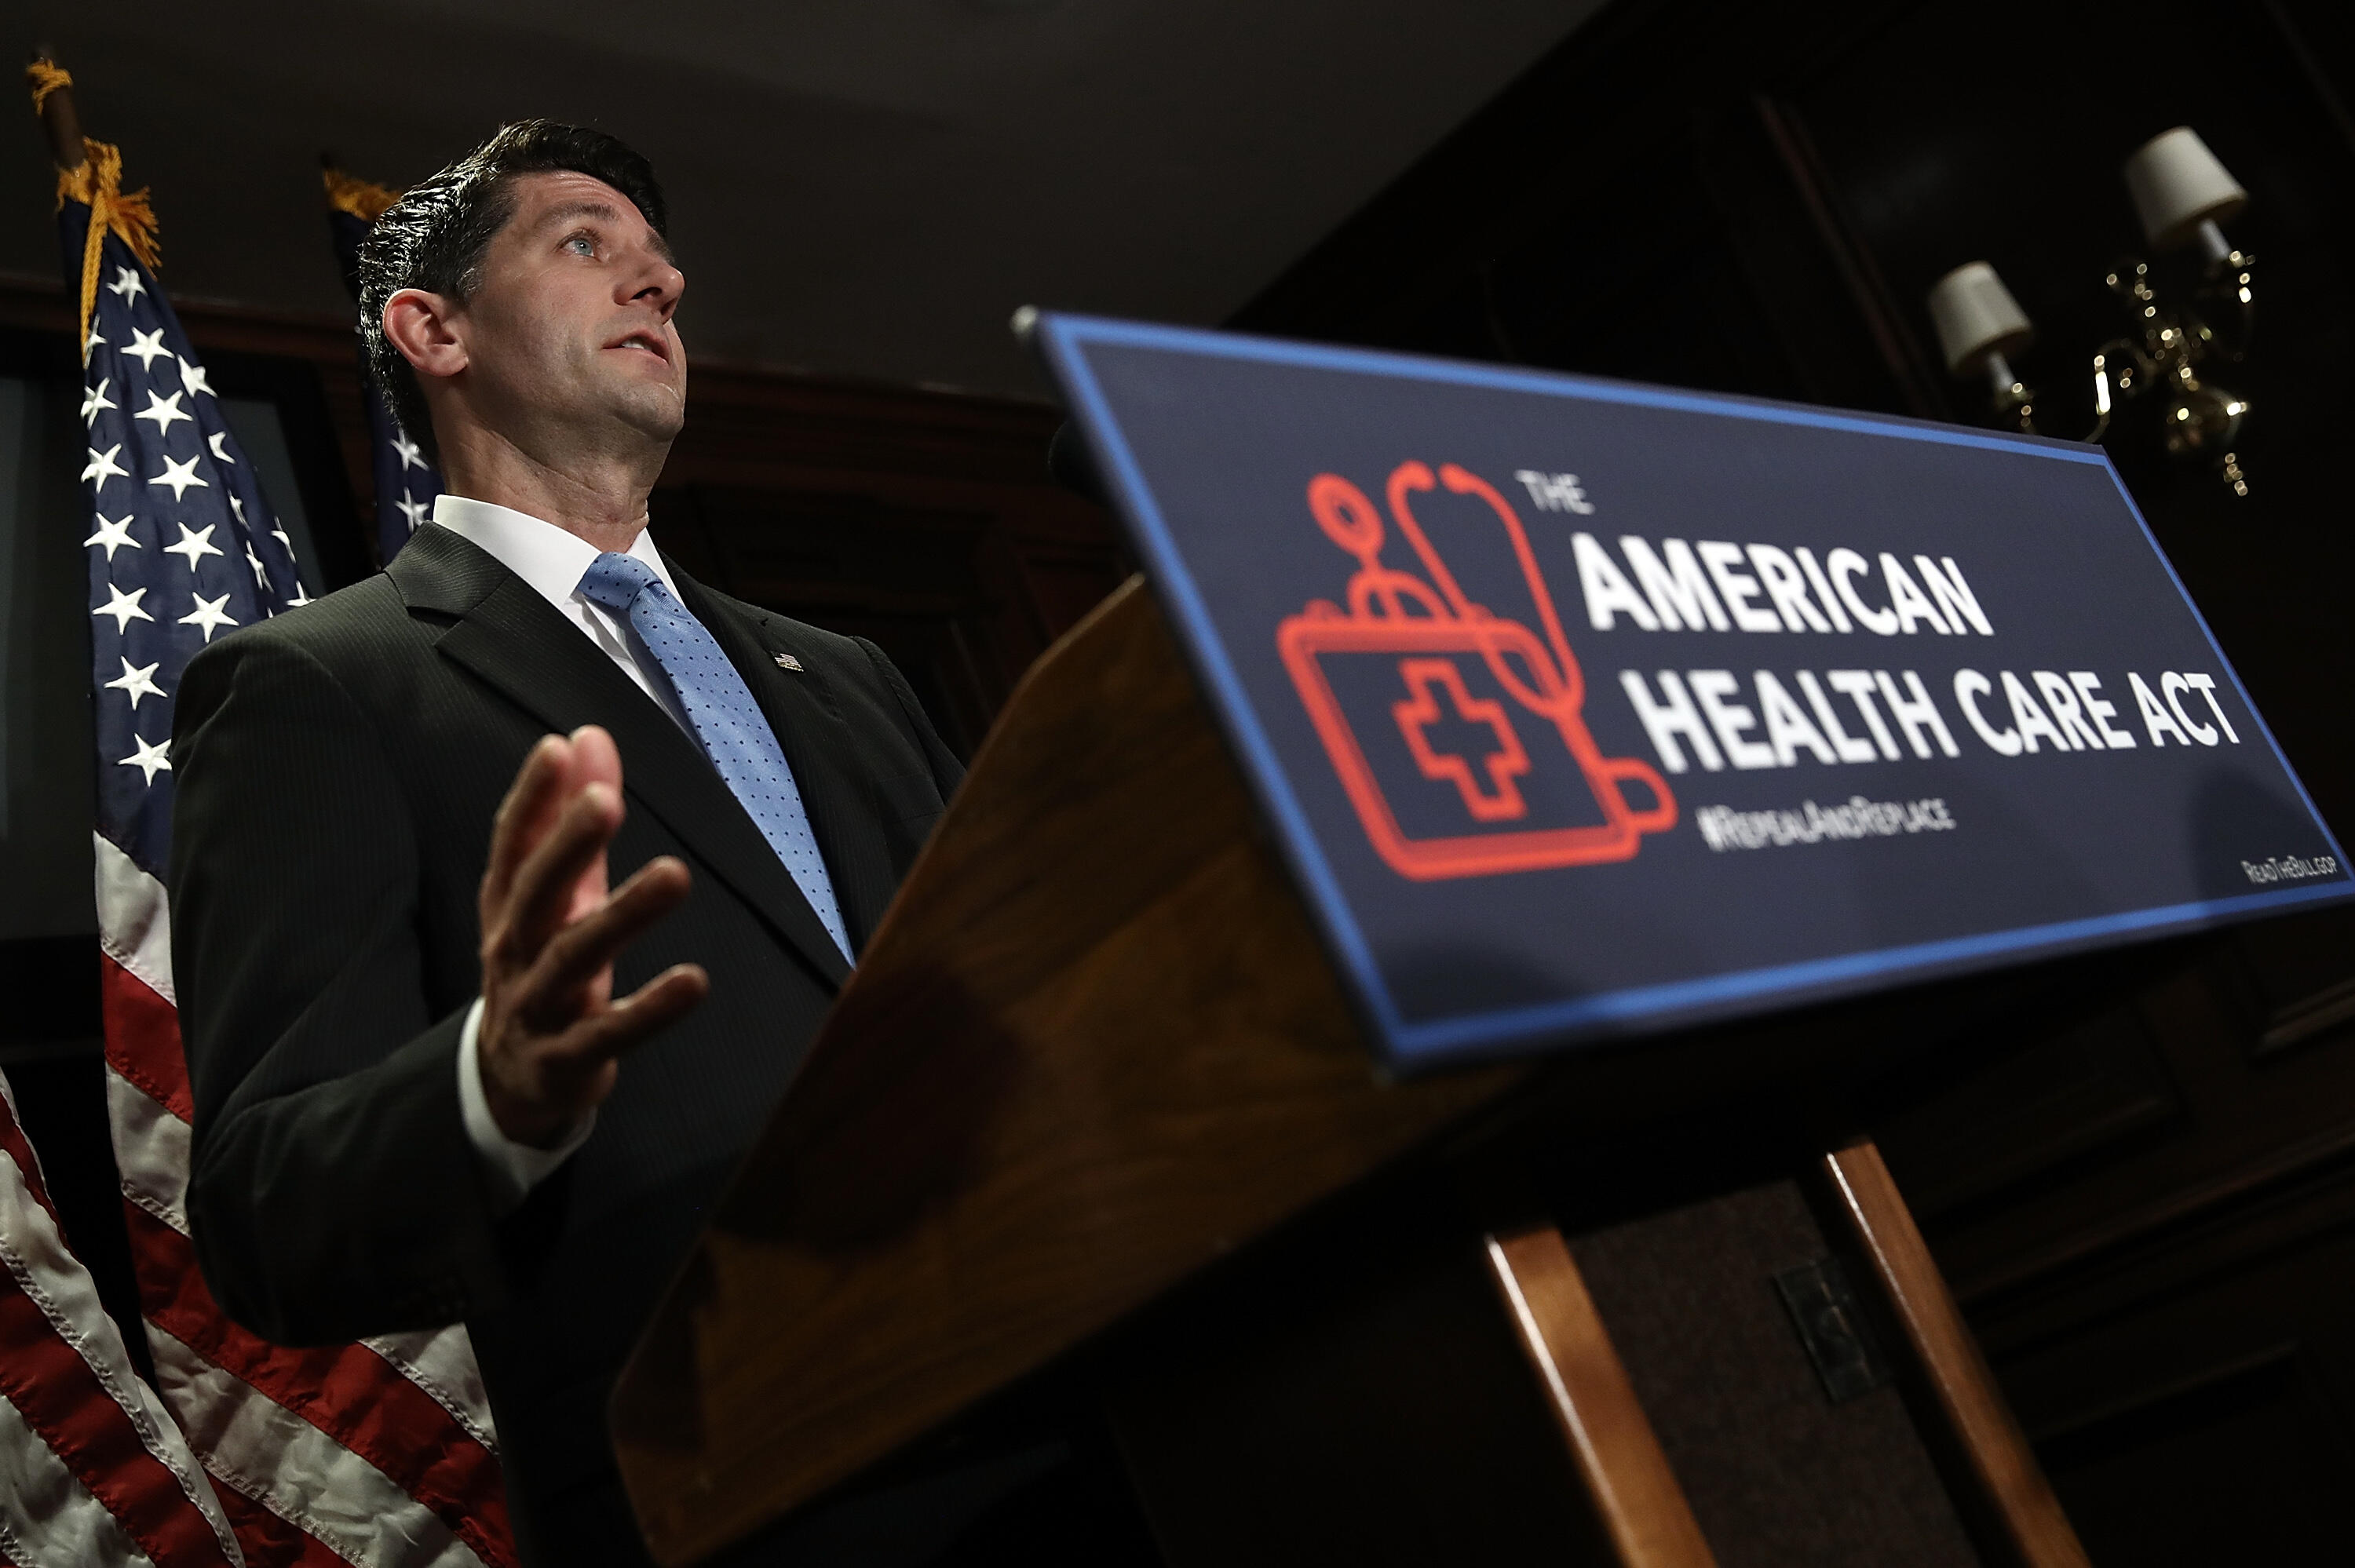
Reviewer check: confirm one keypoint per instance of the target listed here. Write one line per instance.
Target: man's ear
(421, 325)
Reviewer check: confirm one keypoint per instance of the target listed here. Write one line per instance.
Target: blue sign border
(1064, 339)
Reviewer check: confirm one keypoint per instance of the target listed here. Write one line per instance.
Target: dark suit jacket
(337, 772)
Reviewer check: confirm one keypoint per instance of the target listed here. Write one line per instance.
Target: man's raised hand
(551, 1035)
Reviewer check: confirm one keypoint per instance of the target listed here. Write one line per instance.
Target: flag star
(278, 531)
(192, 376)
(194, 545)
(415, 511)
(113, 535)
(237, 506)
(181, 476)
(150, 759)
(209, 614)
(411, 455)
(260, 572)
(127, 284)
(136, 681)
(164, 410)
(102, 466)
(90, 342)
(145, 346)
(123, 607)
(216, 439)
(94, 400)
(299, 598)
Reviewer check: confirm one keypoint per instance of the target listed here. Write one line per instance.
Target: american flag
(98, 1475)
(406, 483)
(381, 1452)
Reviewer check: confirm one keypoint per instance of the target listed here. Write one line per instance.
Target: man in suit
(509, 886)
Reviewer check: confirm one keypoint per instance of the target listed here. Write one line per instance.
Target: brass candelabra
(2163, 358)
(2177, 336)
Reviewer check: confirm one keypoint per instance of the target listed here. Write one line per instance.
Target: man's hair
(435, 236)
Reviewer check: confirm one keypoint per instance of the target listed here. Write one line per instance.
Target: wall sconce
(1980, 327)
(2182, 195)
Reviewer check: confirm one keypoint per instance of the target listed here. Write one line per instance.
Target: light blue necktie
(719, 708)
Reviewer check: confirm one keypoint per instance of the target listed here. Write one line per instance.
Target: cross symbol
(1500, 762)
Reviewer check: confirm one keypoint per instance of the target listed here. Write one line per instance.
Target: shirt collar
(551, 559)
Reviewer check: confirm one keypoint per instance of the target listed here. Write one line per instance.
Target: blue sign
(1582, 708)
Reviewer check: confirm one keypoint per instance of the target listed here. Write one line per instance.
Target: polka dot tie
(719, 708)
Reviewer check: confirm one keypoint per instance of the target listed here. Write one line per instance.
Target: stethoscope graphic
(1426, 620)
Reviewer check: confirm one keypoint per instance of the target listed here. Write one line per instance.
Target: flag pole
(57, 109)
(90, 173)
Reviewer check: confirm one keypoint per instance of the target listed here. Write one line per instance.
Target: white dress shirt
(554, 562)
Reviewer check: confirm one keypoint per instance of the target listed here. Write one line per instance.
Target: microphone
(1073, 469)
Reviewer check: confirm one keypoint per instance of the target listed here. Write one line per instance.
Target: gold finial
(90, 173)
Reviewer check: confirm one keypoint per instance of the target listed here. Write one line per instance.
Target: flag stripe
(151, 1150)
(77, 1342)
(135, 919)
(350, 1394)
(346, 1391)
(442, 1364)
(142, 1038)
(47, 1518)
(19, 1149)
(257, 1447)
(270, 1542)
(58, 1397)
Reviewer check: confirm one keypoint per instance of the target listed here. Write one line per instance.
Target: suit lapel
(802, 711)
(517, 643)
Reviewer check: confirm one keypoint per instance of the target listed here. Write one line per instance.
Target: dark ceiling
(858, 186)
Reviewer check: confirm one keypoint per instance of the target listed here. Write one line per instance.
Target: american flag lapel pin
(786, 662)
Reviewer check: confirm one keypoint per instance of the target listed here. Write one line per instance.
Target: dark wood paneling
(2072, 1097)
(927, 521)
(2260, 1440)
(2213, 1427)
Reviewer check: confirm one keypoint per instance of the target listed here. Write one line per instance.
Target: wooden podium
(1093, 1099)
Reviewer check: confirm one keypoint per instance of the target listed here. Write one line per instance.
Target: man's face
(569, 330)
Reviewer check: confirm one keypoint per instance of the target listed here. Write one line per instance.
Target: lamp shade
(1976, 316)
(2178, 184)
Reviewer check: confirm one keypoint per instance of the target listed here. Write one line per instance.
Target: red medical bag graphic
(1436, 634)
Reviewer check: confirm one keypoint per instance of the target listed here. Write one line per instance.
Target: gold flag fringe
(127, 215)
(98, 185)
(349, 192)
(46, 76)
